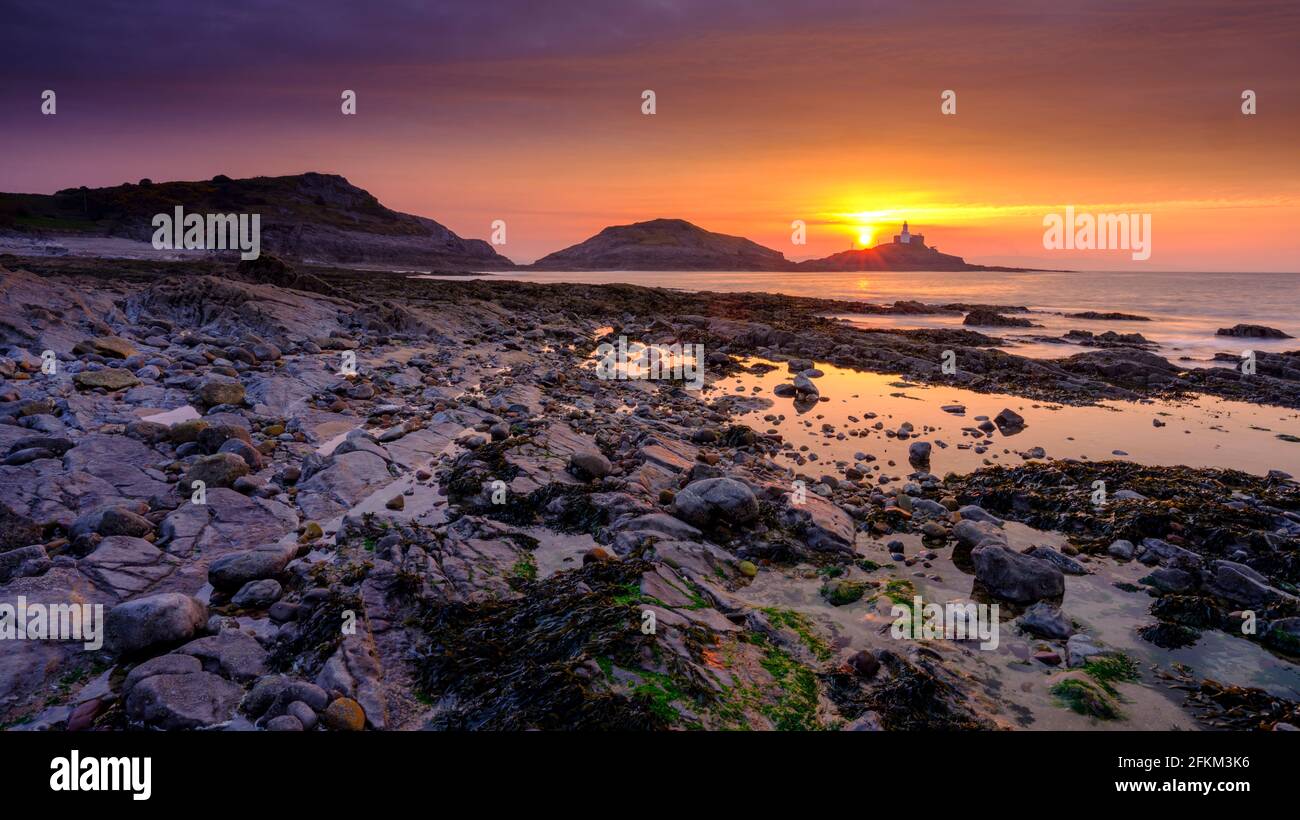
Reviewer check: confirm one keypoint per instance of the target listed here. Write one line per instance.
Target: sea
(1185, 310)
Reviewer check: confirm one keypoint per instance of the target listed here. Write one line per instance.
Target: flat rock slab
(231, 654)
(286, 391)
(822, 525)
(118, 460)
(125, 567)
(46, 493)
(524, 395)
(545, 460)
(226, 307)
(199, 533)
(422, 446)
(64, 312)
(25, 666)
(347, 479)
(473, 562)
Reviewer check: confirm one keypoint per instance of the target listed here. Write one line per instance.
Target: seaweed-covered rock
(1248, 331)
(1242, 585)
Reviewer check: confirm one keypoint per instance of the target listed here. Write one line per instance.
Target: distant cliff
(317, 217)
(664, 244)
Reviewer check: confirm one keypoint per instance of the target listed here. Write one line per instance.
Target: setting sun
(866, 236)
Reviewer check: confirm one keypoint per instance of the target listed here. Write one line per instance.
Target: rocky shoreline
(469, 530)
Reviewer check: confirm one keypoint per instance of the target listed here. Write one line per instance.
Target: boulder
(972, 512)
(304, 713)
(231, 654)
(590, 464)
(970, 534)
(216, 390)
(1046, 621)
(1284, 634)
(1156, 551)
(864, 663)
(216, 470)
(710, 501)
(804, 387)
(1242, 585)
(171, 664)
(113, 347)
(111, 520)
(1014, 577)
(23, 562)
(284, 723)
(250, 454)
(185, 431)
(235, 569)
(155, 620)
(213, 436)
(344, 715)
(1009, 419)
(110, 379)
(257, 594)
(918, 454)
(273, 694)
(188, 701)
(1121, 549)
(1061, 561)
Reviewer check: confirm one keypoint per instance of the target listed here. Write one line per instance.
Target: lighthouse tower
(909, 238)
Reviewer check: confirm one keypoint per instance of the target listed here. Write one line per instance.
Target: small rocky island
(663, 244)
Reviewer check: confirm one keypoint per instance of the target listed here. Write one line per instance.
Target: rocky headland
(314, 217)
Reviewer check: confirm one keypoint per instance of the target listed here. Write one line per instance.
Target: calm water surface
(1185, 308)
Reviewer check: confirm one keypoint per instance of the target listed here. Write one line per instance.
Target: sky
(825, 111)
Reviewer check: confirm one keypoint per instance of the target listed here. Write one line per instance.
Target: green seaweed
(801, 625)
(1086, 699)
(900, 591)
(1111, 668)
(525, 568)
(841, 592)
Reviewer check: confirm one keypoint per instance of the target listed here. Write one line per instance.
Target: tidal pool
(861, 410)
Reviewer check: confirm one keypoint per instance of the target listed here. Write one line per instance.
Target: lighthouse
(907, 237)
